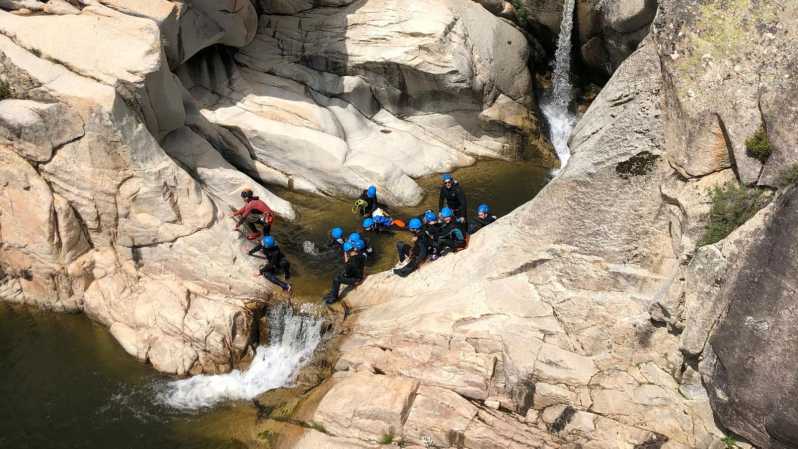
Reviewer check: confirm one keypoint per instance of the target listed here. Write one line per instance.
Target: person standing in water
(367, 203)
(453, 197)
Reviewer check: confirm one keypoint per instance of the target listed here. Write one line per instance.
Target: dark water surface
(65, 383)
(503, 185)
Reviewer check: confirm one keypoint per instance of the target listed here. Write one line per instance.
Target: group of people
(434, 235)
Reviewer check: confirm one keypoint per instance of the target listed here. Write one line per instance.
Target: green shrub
(729, 442)
(387, 438)
(5, 89)
(521, 12)
(789, 176)
(758, 146)
(732, 205)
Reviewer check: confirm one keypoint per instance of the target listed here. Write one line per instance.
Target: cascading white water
(555, 102)
(292, 340)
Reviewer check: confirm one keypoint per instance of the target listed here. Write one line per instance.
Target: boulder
(39, 128)
(203, 23)
(752, 361)
(558, 323)
(718, 60)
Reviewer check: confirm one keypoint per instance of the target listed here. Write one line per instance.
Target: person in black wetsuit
(354, 272)
(275, 262)
(413, 256)
(453, 197)
(482, 219)
(369, 202)
(450, 236)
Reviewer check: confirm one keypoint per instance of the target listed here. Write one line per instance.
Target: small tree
(758, 146)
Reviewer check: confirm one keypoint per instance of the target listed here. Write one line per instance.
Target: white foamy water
(555, 103)
(293, 338)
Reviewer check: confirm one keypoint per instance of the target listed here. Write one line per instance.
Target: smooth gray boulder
(751, 374)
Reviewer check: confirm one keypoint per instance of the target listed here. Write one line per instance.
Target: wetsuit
(479, 223)
(417, 253)
(453, 198)
(255, 211)
(450, 238)
(371, 204)
(275, 262)
(353, 273)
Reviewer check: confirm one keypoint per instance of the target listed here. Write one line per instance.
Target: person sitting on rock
(411, 257)
(367, 203)
(353, 273)
(450, 237)
(254, 213)
(482, 219)
(453, 197)
(275, 262)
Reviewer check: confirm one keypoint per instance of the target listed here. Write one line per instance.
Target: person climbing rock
(353, 273)
(449, 237)
(482, 219)
(411, 257)
(254, 213)
(453, 197)
(275, 263)
(367, 203)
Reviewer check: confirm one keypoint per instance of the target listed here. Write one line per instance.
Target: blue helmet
(447, 213)
(359, 245)
(447, 177)
(348, 246)
(353, 237)
(414, 225)
(371, 192)
(429, 216)
(337, 233)
(268, 242)
(483, 209)
(368, 224)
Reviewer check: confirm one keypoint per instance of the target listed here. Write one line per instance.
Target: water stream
(292, 339)
(555, 103)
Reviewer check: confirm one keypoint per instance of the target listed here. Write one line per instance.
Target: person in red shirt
(254, 212)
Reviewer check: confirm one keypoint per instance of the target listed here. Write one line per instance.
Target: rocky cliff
(129, 128)
(589, 317)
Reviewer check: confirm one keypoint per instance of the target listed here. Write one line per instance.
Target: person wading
(453, 197)
(367, 203)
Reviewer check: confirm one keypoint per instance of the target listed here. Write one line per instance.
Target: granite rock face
(131, 127)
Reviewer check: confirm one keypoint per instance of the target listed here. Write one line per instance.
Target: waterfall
(555, 102)
(292, 340)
